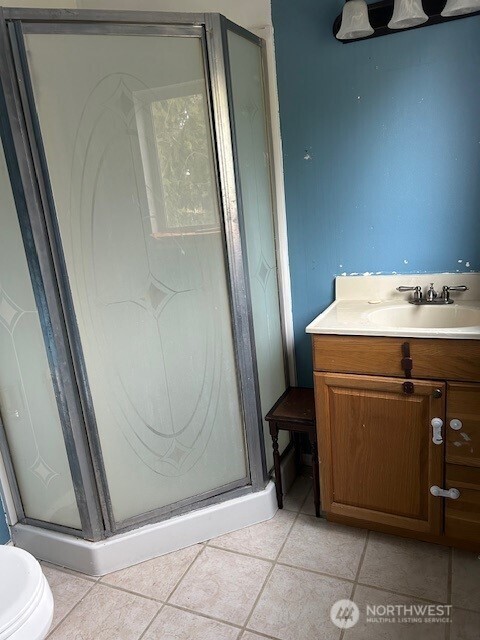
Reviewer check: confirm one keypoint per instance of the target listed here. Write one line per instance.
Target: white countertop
(371, 306)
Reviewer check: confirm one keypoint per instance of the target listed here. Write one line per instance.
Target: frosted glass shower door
(254, 173)
(28, 408)
(126, 132)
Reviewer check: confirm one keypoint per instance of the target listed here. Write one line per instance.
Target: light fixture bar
(380, 14)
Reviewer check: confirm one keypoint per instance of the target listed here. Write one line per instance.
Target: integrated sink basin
(424, 317)
(379, 305)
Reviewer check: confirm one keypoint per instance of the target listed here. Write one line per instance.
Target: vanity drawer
(463, 404)
(432, 358)
(462, 516)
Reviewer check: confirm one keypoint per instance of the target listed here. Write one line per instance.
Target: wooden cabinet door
(463, 404)
(462, 516)
(377, 455)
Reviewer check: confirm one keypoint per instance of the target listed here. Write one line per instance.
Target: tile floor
(275, 580)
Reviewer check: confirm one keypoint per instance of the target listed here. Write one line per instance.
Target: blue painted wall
(4, 533)
(381, 147)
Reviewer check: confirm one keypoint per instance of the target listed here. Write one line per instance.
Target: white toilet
(26, 602)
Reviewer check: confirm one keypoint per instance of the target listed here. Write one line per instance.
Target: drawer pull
(456, 425)
(453, 494)
(437, 424)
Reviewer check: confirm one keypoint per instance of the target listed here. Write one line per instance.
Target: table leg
(276, 462)
(316, 483)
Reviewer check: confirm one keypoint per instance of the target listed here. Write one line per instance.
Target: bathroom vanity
(397, 395)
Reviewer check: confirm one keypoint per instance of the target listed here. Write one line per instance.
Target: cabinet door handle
(453, 494)
(437, 424)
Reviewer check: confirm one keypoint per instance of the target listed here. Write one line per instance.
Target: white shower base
(126, 549)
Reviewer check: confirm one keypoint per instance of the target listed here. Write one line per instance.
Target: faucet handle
(460, 287)
(418, 291)
(446, 291)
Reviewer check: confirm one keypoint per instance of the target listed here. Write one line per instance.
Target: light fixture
(407, 13)
(460, 7)
(355, 21)
(360, 20)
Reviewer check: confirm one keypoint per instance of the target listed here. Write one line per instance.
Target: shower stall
(141, 336)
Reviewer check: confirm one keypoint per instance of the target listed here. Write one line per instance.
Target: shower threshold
(147, 542)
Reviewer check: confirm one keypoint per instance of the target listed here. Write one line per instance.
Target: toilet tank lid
(21, 588)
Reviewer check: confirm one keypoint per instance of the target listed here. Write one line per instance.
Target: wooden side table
(294, 411)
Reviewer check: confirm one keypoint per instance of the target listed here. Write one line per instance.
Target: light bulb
(407, 13)
(460, 7)
(355, 21)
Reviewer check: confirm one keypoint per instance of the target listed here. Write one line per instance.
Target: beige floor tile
(248, 635)
(295, 605)
(107, 614)
(69, 571)
(174, 624)
(466, 580)
(264, 540)
(465, 625)
(317, 544)
(222, 584)
(67, 590)
(405, 566)
(296, 494)
(365, 630)
(155, 578)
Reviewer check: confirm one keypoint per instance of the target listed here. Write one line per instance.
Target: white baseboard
(127, 549)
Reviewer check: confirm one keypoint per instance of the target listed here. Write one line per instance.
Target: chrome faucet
(431, 295)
